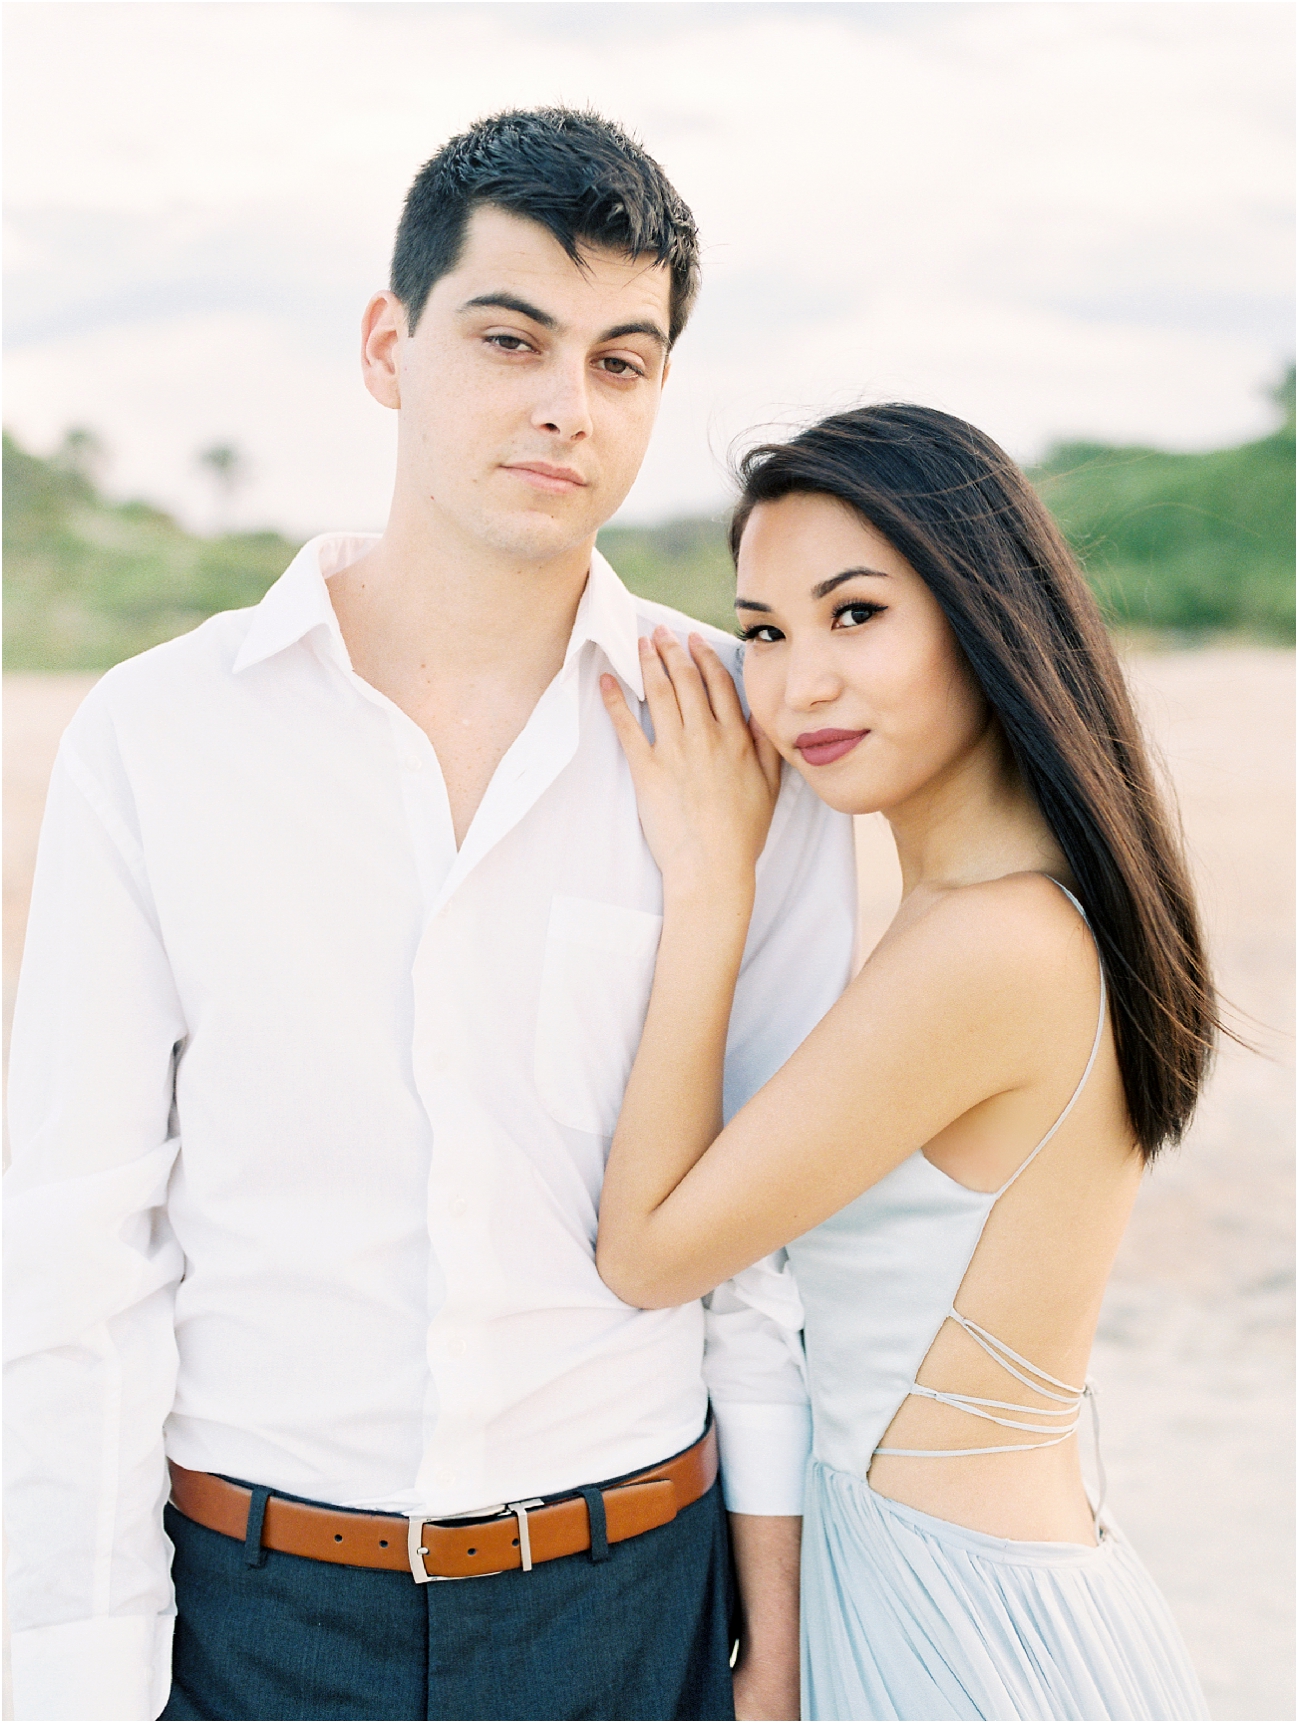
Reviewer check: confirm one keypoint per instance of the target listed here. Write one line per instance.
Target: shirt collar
(299, 602)
(607, 616)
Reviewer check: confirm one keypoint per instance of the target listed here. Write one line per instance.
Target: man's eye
(621, 367)
(509, 343)
(853, 615)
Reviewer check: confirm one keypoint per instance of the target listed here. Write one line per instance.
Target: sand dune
(1195, 1353)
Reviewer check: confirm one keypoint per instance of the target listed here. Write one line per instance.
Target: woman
(952, 1155)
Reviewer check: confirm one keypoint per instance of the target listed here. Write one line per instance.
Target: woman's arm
(706, 793)
(968, 1001)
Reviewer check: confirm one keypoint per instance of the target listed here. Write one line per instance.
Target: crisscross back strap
(1007, 1358)
(1058, 1425)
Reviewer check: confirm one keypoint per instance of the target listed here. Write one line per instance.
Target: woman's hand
(707, 785)
(706, 789)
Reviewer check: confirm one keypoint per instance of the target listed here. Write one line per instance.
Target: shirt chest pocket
(595, 982)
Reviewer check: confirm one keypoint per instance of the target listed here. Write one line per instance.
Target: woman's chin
(838, 791)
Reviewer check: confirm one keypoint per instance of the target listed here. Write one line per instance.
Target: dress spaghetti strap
(1095, 1047)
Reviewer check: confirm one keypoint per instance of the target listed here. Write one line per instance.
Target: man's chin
(532, 535)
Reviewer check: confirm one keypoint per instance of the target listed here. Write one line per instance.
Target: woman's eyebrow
(827, 586)
(823, 590)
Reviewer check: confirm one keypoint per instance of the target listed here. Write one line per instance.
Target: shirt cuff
(94, 1671)
(764, 1454)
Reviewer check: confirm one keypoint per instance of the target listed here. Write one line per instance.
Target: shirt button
(459, 1346)
(446, 1479)
(459, 1207)
(413, 763)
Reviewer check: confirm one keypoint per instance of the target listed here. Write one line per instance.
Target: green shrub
(1189, 545)
(685, 563)
(88, 583)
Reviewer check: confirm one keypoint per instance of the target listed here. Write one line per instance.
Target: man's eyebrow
(511, 302)
(650, 329)
(827, 586)
(544, 319)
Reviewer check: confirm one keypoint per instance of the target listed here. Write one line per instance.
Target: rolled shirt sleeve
(90, 1263)
(797, 963)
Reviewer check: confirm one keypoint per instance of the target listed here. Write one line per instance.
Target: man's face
(529, 388)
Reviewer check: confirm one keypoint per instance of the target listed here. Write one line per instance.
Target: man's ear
(383, 328)
(667, 365)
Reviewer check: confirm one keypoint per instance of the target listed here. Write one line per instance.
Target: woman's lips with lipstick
(820, 747)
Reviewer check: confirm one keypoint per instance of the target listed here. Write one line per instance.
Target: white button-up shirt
(309, 1115)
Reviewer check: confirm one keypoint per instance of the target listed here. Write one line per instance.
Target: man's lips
(557, 480)
(820, 747)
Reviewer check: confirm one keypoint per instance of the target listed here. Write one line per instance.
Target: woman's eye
(766, 632)
(853, 615)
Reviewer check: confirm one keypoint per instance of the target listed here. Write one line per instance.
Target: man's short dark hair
(579, 176)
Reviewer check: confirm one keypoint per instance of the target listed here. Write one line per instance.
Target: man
(341, 940)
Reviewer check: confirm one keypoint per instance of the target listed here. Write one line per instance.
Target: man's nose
(563, 408)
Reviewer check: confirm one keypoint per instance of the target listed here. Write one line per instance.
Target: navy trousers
(644, 1633)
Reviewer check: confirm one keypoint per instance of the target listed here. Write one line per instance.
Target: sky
(1062, 219)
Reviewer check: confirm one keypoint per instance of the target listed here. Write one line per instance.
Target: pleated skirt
(907, 1616)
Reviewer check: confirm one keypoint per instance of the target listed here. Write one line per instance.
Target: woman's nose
(810, 679)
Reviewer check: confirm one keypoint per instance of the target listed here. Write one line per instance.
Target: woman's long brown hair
(969, 523)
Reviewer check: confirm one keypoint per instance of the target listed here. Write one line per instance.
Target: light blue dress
(907, 1616)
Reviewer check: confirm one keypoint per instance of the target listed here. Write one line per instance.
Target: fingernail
(643, 644)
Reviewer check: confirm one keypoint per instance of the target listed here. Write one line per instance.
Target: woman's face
(851, 668)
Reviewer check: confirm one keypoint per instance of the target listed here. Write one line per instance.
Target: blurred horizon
(1188, 547)
(1067, 223)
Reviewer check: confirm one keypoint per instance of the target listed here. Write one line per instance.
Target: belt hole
(383, 1543)
(473, 1552)
(338, 1537)
(515, 1542)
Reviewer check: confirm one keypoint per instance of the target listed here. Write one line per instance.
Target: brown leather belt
(517, 1535)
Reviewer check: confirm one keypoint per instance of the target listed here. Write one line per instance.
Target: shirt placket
(465, 1377)
(427, 807)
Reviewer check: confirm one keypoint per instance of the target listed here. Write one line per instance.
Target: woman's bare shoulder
(1031, 906)
(1019, 932)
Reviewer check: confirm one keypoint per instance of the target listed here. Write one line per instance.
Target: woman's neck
(974, 821)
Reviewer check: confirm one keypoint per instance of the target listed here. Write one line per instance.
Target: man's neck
(464, 638)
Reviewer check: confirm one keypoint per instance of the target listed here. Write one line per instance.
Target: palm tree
(82, 452)
(1282, 393)
(228, 468)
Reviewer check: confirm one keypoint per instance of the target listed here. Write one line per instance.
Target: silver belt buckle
(417, 1549)
(519, 1511)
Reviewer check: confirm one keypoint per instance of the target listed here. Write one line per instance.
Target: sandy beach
(1195, 1352)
